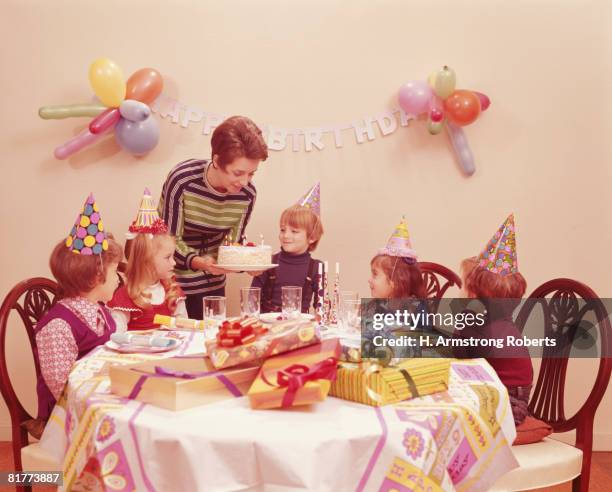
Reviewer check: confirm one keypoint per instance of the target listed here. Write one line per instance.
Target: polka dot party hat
(399, 243)
(499, 256)
(87, 236)
(147, 219)
(312, 199)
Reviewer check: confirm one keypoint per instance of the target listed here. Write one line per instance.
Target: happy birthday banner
(125, 109)
(278, 138)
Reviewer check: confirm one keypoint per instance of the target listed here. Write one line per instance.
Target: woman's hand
(207, 264)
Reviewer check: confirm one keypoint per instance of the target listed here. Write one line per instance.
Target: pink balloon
(485, 102)
(105, 120)
(414, 97)
(75, 144)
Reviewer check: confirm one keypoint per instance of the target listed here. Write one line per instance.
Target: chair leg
(584, 441)
(20, 440)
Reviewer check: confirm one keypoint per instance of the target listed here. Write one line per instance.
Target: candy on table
(177, 322)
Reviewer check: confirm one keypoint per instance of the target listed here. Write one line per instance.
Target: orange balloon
(462, 107)
(144, 85)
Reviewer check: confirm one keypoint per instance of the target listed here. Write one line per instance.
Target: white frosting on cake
(245, 255)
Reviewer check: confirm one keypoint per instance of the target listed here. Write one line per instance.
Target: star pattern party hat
(312, 199)
(88, 236)
(147, 219)
(399, 243)
(499, 256)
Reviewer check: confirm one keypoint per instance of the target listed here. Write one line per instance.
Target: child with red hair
(493, 278)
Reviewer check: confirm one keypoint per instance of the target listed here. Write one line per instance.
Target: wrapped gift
(239, 342)
(376, 385)
(296, 378)
(182, 382)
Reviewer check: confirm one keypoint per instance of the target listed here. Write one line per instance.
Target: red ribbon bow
(234, 334)
(297, 375)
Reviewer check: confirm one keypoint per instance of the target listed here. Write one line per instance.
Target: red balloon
(104, 121)
(144, 85)
(462, 107)
(485, 102)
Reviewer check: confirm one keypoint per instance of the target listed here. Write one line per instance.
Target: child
(395, 277)
(85, 267)
(150, 288)
(300, 232)
(395, 273)
(493, 278)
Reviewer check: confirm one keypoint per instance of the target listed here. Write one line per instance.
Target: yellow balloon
(107, 82)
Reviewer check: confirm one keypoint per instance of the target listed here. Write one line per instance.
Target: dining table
(459, 439)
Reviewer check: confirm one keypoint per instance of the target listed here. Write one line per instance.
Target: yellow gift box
(178, 383)
(296, 378)
(376, 385)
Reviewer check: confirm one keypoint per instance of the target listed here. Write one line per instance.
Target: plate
(247, 268)
(139, 349)
(273, 317)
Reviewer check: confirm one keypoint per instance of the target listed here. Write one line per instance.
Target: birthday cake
(250, 254)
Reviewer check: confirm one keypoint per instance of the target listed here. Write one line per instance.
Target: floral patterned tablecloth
(456, 440)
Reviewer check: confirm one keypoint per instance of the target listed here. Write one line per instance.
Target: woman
(202, 201)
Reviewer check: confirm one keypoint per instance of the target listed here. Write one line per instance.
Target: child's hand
(256, 274)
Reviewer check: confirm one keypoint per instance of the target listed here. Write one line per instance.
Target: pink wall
(542, 151)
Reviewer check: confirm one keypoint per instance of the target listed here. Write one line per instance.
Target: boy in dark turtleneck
(300, 232)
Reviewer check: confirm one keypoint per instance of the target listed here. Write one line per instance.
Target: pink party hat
(312, 199)
(499, 256)
(399, 243)
(87, 236)
(147, 219)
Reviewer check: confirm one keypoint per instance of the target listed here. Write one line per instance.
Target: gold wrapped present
(375, 385)
(296, 378)
(182, 382)
(239, 342)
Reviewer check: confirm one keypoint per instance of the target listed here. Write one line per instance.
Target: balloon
(461, 148)
(485, 102)
(462, 107)
(137, 137)
(144, 85)
(414, 97)
(435, 127)
(106, 79)
(436, 109)
(443, 82)
(70, 110)
(75, 144)
(134, 110)
(104, 121)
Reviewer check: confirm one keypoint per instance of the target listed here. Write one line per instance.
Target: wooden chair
(438, 279)
(31, 299)
(551, 462)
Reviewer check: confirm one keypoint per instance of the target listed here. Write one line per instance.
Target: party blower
(446, 107)
(122, 107)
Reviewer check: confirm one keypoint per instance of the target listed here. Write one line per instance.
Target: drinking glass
(291, 301)
(351, 315)
(250, 302)
(214, 314)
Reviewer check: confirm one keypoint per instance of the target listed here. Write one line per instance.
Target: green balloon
(70, 111)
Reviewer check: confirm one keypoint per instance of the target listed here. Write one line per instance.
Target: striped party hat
(147, 219)
(399, 243)
(88, 236)
(312, 199)
(499, 256)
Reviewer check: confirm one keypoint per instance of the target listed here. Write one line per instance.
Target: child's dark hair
(78, 274)
(403, 273)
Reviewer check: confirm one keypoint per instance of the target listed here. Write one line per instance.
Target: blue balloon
(134, 110)
(137, 137)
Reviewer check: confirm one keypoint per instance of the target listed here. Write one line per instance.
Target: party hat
(499, 256)
(87, 236)
(312, 199)
(147, 219)
(399, 243)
